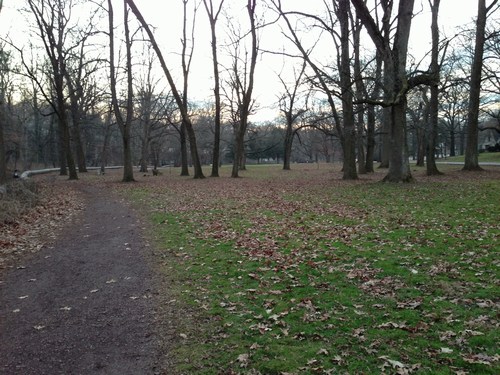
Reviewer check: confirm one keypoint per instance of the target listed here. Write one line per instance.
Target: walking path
(83, 305)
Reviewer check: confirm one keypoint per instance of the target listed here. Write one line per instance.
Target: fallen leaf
(393, 363)
(255, 346)
(481, 358)
(243, 359)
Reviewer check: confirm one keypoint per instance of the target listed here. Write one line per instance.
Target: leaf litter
(300, 273)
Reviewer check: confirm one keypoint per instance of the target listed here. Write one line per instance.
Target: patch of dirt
(58, 203)
(79, 290)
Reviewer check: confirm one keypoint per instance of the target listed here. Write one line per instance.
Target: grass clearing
(299, 272)
(485, 157)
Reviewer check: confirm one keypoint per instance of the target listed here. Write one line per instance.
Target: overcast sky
(166, 15)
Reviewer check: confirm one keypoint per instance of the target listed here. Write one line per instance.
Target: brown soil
(86, 302)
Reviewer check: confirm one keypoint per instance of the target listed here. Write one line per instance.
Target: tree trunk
(123, 124)
(75, 118)
(213, 15)
(128, 169)
(471, 152)
(239, 148)
(385, 145)
(245, 107)
(107, 136)
(452, 140)
(395, 79)
(184, 152)
(64, 128)
(399, 165)
(371, 115)
(146, 126)
(434, 100)
(370, 139)
(77, 141)
(360, 90)
(349, 128)
(420, 135)
(198, 172)
(360, 142)
(3, 161)
(287, 146)
(63, 164)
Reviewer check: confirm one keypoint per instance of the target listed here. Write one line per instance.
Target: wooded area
(93, 89)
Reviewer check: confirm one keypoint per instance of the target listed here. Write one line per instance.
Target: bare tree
(242, 85)
(395, 82)
(360, 91)
(198, 172)
(287, 105)
(79, 72)
(151, 106)
(491, 88)
(213, 15)
(349, 129)
(3, 162)
(124, 122)
(339, 29)
(371, 112)
(52, 20)
(186, 59)
(471, 151)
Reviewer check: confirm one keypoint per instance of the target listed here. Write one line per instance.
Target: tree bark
(123, 124)
(360, 91)
(349, 166)
(434, 100)
(105, 144)
(146, 108)
(471, 151)
(75, 117)
(371, 115)
(198, 172)
(396, 83)
(3, 161)
(184, 150)
(370, 138)
(247, 91)
(52, 23)
(213, 16)
(288, 143)
(287, 107)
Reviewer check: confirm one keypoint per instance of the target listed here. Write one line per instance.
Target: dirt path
(83, 305)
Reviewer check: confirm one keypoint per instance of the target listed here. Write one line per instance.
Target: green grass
(483, 157)
(299, 272)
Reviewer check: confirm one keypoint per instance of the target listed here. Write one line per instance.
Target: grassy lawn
(483, 157)
(299, 272)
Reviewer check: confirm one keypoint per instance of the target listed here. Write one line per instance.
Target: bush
(16, 197)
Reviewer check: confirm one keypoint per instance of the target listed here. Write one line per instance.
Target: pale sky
(167, 17)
